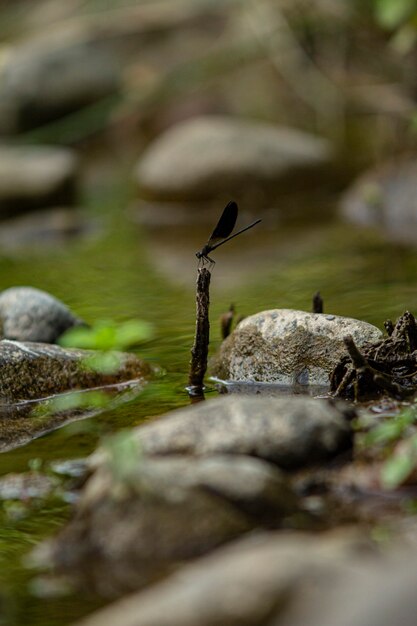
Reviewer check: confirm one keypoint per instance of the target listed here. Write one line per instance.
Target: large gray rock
(129, 528)
(29, 314)
(290, 432)
(207, 156)
(33, 177)
(386, 197)
(46, 78)
(289, 347)
(248, 583)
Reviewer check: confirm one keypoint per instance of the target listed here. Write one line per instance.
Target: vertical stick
(317, 303)
(199, 352)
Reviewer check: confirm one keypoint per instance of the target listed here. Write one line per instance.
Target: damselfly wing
(222, 232)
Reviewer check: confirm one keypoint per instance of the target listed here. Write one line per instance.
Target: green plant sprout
(107, 335)
(397, 439)
(105, 339)
(122, 454)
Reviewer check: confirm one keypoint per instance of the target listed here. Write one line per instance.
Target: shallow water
(126, 271)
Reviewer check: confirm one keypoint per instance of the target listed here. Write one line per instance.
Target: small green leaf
(106, 335)
(397, 469)
(392, 429)
(123, 454)
(392, 13)
(78, 337)
(133, 332)
(384, 433)
(103, 362)
(94, 399)
(35, 465)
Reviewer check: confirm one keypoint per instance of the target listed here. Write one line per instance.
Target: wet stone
(32, 370)
(43, 387)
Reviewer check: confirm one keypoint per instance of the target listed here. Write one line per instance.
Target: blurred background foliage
(333, 67)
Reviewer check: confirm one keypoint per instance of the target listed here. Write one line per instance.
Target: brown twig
(369, 375)
(199, 351)
(389, 327)
(317, 303)
(226, 321)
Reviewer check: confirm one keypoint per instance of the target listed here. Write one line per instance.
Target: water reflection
(269, 389)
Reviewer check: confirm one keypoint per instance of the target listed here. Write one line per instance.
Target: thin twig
(199, 352)
(317, 303)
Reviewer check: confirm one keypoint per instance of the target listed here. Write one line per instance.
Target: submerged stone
(29, 314)
(289, 347)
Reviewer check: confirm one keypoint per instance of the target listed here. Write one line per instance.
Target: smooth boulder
(289, 432)
(209, 156)
(35, 177)
(252, 582)
(289, 347)
(133, 524)
(29, 314)
(49, 77)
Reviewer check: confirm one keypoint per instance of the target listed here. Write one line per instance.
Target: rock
(76, 468)
(209, 156)
(290, 432)
(130, 528)
(386, 197)
(373, 597)
(33, 373)
(248, 583)
(32, 370)
(289, 347)
(33, 177)
(43, 230)
(26, 486)
(45, 79)
(29, 314)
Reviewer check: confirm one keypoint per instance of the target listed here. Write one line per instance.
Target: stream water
(124, 271)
